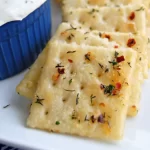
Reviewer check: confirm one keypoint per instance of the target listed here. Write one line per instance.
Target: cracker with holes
(99, 3)
(83, 91)
(125, 19)
(69, 34)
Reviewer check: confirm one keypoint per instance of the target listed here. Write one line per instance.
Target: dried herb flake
(113, 62)
(39, 100)
(129, 64)
(141, 8)
(92, 97)
(6, 106)
(77, 99)
(109, 89)
(116, 54)
(71, 52)
(69, 90)
(74, 115)
(70, 81)
(101, 65)
(57, 123)
(59, 66)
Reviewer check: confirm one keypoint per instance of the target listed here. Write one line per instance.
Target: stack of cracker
(88, 78)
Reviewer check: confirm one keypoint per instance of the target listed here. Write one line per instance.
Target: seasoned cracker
(82, 92)
(98, 3)
(94, 38)
(70, 34)
(124, 19)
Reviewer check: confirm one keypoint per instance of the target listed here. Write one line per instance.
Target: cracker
(94, 103)
(98, 3)
(116, 40)
(70, 34)
(125, 19)
(95, 38)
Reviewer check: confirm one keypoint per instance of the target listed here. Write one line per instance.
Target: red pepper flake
(114, 92)
(55, 77)
(118, 68)
(59, 66)
(62, 33)
(105, 36)
(71, 61)
(131, 42)
(120, 59)
(116, 46)
(134, 107)
(118, 86)
(102, 105)
(61, 71)
(131, 16)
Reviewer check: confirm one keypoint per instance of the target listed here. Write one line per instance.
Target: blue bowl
(22, 41)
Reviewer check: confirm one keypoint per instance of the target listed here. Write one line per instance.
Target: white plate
(13, 128)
